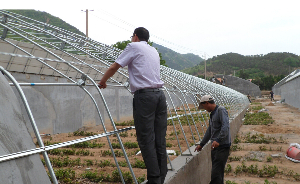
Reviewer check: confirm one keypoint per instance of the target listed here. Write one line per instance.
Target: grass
(235, 148)
(256, 108)
(235, 158)
(83, 133)
(125, 123)
(65, 175)
(261, 118)
(260, 139)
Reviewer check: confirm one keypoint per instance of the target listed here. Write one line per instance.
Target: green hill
(254, 66)
(177, 61)
(47, 18)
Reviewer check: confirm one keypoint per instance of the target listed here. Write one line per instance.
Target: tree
(123, 44)
(291, 61)
(243, 74)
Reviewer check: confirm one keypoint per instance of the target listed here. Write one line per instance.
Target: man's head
(207, 103)
(141, 33)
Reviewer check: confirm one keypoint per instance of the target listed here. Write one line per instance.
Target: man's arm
(225, 125)
(205, 139)
(109, 73)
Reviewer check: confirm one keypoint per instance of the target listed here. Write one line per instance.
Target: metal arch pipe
(222, 94)
(102, 97)
(20, 154)
(185, 110)
(83, 88)
(173, 125)
(191, 112)
(33, 124)
(186, 117)
(71, 34)
(42, 30)
(60, 84)
(179, 121)
(108, 140)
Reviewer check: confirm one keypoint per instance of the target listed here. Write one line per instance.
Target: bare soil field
(258, 155)
(92, 161)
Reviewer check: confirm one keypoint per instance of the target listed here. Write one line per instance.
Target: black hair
(211, 102)
(142, 33)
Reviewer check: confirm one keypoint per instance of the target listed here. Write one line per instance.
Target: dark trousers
(150, 120)
(219, 158)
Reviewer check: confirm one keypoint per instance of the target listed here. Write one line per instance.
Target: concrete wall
(14, 137)
(290, 92)
(197, 168)
(277, 87)
(62, 109)
(243, 86)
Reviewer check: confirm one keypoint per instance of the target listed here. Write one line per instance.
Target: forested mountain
(177, 61)
(265, 70)
(47, 18)
(254, 66)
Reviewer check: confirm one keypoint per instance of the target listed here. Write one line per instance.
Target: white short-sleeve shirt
(143, 65)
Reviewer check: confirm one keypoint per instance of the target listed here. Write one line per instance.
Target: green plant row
(67, 162)
(126, 123)
(68, 176)
(265, 171)
(261, 118)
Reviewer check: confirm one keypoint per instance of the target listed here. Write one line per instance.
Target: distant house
(219, 80)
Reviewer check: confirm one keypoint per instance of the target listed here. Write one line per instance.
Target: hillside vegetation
(254, 66)
(47, 18)
(178, 61)
(265, 70)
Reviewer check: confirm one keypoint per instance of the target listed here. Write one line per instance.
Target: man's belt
(147, 90)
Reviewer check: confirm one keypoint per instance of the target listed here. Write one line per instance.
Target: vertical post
(87, 23)
(204, 66)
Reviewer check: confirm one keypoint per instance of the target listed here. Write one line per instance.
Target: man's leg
(160, 128)
(144, 106)
(219, 158)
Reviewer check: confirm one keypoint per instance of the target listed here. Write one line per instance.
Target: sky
(205, 28)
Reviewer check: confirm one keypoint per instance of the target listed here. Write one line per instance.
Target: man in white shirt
(149, 102)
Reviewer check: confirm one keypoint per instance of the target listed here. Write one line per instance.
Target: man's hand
(102, 85)
(198, 148)
(109, 73)
(214, 145)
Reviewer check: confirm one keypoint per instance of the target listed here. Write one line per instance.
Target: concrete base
(63, 109)
(197, 167)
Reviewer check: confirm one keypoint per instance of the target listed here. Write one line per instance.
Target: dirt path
(249, 160)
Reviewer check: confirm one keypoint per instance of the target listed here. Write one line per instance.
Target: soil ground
(99, 159)
(285, 130)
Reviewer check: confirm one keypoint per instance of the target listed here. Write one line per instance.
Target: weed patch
(261, 118)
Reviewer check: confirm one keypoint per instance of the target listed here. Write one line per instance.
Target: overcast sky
(190, 26)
